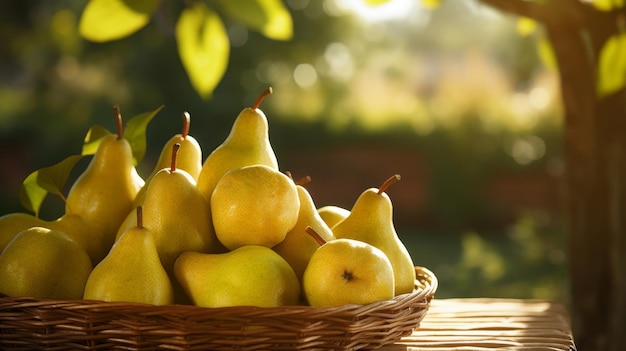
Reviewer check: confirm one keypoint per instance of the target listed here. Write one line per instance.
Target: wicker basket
(35, 324)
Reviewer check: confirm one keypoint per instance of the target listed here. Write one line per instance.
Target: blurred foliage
(452, 79)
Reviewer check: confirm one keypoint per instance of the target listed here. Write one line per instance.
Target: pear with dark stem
(247, 144)
(371, 220)
(104, 193)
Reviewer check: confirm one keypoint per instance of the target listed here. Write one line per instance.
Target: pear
(13, 223)
(250, 275)
(104, 193)
(371, 221)
(131, 271)
(332, 214)
(247, 144)
(189, 157)
(254, 205)
(177, 214)
(347, 271)
(44, 263)
(298, 246)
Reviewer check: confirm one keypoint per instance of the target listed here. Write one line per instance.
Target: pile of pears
(228, 230)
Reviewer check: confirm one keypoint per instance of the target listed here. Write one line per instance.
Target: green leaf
(93, 138)
(203, 47)
(46, 180)
(612, 65)
(106, 20)
(135, 133)
(269, 17)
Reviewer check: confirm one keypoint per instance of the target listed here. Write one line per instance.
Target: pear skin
(131, 271)
(347, 271)
(189, 157)
(254, 205)
(332, 214)
(13, 223)
(44, 263)
(298, 246)
(251, 275)
(247, 144)
(104, 193)
(371, 221)
(177, 215)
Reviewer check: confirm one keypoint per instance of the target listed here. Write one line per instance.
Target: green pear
(332, 214)
(347, 271)
(177, 214)
(189, 157)
(247, 144)
(254, 205)
(298, 246)
(104, 193)
(44, 263)
(251, 275)
(371, 221)
(131, 271)
(13, 223)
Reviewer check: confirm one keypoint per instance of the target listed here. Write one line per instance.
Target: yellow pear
(104, 193)
(44, 263)
(371, 221)
(251, 275)
(131, 271)
(13, 223)
(80, 230)
(298, 246)
(177, 214)
(247, 144)
(189, 157)
(347, 271)
(254, 205)
(333, 214)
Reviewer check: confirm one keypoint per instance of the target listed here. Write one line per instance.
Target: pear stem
(258, 101)
(118, 118)
(303, 180)
(186, 122)
(394, 178)
(139, 217)
(315, 235)
(174, 157)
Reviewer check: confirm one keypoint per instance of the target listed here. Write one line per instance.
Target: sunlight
(390, 10)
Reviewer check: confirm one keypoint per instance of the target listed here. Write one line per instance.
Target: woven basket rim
(423, 288)
(28, 323)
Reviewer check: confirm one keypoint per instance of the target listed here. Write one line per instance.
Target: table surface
(489, 324)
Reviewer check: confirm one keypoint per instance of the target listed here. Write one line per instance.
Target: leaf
(269, 17)
(430, 4)
(135, 133)
(106, 20)
(203, 47)
(375, 2)
(612, 66)
(46, 180)
(92, 139)
(546, 53)
(526, 26)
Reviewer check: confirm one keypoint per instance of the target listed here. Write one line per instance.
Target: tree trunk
(595, 146)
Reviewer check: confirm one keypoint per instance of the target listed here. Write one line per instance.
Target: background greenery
(459, 97)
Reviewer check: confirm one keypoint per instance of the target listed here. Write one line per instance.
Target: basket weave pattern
(36, 324)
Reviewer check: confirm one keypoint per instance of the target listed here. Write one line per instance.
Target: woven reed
(28, 323)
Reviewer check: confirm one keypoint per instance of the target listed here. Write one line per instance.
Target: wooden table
(489, 324)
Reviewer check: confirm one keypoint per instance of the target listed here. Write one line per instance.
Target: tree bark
(595, 147)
